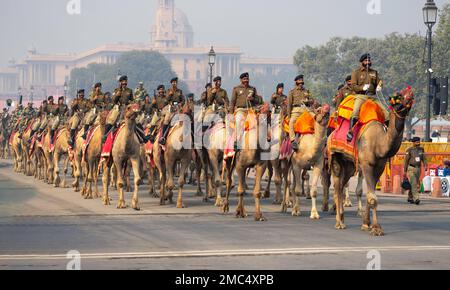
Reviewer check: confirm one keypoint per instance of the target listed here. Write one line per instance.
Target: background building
(171, 35)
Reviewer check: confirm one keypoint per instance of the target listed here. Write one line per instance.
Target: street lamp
(31, 93)
(211, 62)
(19, 90)
(430, 12)
(66, 88)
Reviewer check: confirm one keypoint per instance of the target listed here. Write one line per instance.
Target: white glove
(379, 88)
(366, 87)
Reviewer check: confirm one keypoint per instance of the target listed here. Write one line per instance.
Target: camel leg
(348, 201)
(105, 181)
(240, 211)
(339, 183)
(315, 179)
(120, 183)
(66, 167)
(56, 159)
(89, 179)
(298, 189)
(229, 181)
(326, 183)
(371, 175)
(162, 188)
(287, 194)
(260, 169)
(306, 186)
(278, 179)
(136, 165)
(270, 171)
(181, 181)
(217, 181)
(198, 172)
(359, 192)
(207, 183)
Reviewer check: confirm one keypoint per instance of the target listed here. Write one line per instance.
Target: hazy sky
(266, 28)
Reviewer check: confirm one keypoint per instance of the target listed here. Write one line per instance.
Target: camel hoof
(155, 195)
(225, 208)
(348, 203)
(360, 213)
(277, 202)
(241, 215)
(296, 212)
(106, 201)
(218, 202)
(366, 228)
(121, 204)
(377, 231)
(266, 194)
(325, 208)
(284, 208)
(315, 215)
(136, 207)
(205, 199)
(181, 205)
(260, 218)
(340, 226)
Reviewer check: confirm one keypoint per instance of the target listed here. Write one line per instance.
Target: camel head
(402, 102)
(132, 111)
(323, 115)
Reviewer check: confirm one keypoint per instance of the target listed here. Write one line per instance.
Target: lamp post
(66, 88)
(211, 62)
(19, 90)
(430, 12)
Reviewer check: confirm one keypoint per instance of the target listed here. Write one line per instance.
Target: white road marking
(222, 253)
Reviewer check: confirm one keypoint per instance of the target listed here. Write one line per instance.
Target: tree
(148, 66)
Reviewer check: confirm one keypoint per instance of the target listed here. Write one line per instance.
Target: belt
(414, 166)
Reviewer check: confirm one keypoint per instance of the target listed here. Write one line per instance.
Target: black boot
(108, 128)
(52, 136)
(143, 139)
(353, 122)
(162, 140)
(72, 137)
(86, 130)
(151, 136)
(294, 145)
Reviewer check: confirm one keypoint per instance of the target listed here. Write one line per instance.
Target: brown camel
(126, 147)
(92, 155)
(79, 164)
(246, 158)
(375, 146)
(49, 174)
(27, 161)
(16, 146)
(61, 149)
(310, 154)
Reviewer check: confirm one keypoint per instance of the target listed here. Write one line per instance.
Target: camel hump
(370, 111)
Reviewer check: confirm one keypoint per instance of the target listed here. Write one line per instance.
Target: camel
(212, 158)
(310, 154)
(27, 162)
(61, 149)
(79, 164)
(92, 157)
(126, 147)
(16, 146)
(244, 159)
(375, 146)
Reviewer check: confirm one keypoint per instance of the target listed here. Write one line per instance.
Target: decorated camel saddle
(111, 138)
(303, 126)
(337, 142)
(250, 124)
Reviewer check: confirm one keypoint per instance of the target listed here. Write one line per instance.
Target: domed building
(172, 35)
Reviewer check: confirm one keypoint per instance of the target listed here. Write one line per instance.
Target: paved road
(39, 225)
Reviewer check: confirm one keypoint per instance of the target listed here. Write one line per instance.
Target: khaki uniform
(277, 100)
(158, 104)
(361, 77)
(342, 94)
(173, 96)
(84, 106)
(298, 99)
(121, 99)
(412, 167)
(60, 117)
(240, 105)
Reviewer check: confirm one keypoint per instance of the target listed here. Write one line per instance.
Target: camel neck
(394, 135)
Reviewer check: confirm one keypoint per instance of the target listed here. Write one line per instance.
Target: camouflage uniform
(139, 94)
(415, 156)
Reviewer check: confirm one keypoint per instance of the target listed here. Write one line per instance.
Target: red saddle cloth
(57, 135)
(286, 150)
(11, 137)
(337, 142)
(88, 140)
(107, 147)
